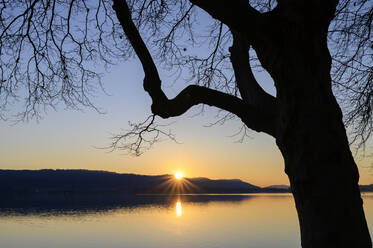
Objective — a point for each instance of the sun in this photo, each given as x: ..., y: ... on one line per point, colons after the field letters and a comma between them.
x: 178, y: 175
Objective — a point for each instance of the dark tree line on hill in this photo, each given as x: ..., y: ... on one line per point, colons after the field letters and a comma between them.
x: 86, y: 181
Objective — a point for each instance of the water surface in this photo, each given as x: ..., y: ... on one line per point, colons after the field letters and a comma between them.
x: 257, y: 220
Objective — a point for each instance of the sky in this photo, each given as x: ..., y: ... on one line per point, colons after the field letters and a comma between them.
x: 67, y: 139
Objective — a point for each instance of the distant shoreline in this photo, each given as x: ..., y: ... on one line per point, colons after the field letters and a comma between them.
x: 72, y: 182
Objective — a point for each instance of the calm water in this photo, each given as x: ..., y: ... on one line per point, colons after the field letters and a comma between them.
x: 159, y: 221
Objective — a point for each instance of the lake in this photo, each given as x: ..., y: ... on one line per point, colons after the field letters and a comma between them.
x: 244, y: 220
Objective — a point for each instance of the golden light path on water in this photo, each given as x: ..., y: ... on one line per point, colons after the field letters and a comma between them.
x: 178, y: 209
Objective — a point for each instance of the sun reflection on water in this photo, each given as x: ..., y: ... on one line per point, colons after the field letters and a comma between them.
x: 178, y: 209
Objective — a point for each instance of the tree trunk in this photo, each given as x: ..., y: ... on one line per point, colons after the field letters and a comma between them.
x: 324, y: 183
x: 310, y: 132
x: 321, y: 169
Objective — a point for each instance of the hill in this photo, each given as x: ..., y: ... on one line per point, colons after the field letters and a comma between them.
x: 87, y: 181
x: 90, y: 181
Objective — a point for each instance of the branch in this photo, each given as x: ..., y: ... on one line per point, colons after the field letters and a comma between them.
x: 303, y: 11
x: 238, y: 14
x: 249, y: 88
x: 191, y: 95
x: 152, y: 81
x: 140, y: 137
x: 46, y: 54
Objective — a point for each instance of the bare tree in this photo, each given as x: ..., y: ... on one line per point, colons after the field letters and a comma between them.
x: 48, y: 50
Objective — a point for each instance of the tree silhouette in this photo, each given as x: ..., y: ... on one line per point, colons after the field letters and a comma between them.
x: 49, y: 48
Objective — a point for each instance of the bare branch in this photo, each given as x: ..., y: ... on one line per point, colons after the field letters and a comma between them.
x: 238, y: 15
x: 351, y: 41
x: 47, y: 49
x: 250, y: 89
x: 140, y: 137
x: 193, y: 94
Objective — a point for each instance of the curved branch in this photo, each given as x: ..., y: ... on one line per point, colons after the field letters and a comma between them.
x: 238, y: 14
x: 249, y: 88
x: 152, y: 81
x: 254, y: 118
x: 191, y: 95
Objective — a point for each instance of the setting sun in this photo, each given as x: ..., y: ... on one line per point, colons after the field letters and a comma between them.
x: 178, y: 175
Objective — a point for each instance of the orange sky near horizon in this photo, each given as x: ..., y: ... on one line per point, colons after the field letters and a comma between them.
x: 214, y: 155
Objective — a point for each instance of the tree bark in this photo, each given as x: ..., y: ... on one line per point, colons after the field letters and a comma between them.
x: 312, y: 138
x: 323, y: 176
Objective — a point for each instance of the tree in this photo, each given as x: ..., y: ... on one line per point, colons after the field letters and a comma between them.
x: 48, y: 47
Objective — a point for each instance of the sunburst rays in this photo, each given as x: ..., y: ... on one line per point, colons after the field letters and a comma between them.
x: 172, y: 185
